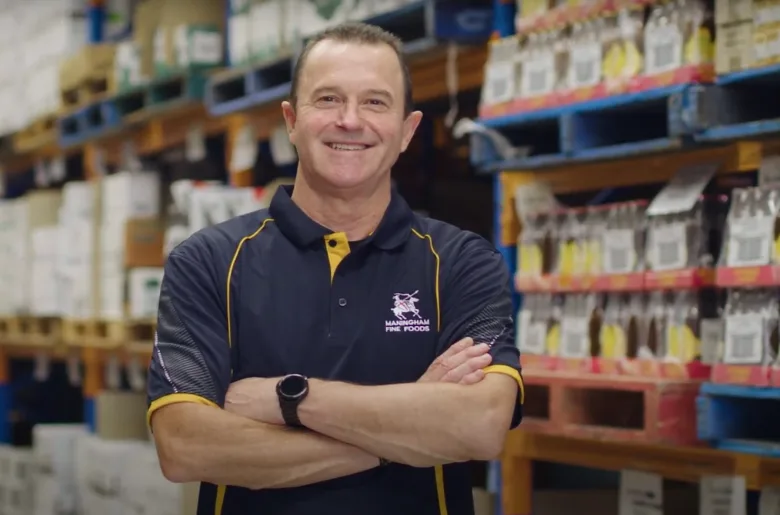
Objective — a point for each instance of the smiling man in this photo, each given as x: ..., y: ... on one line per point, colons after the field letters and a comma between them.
x: 335, y: 353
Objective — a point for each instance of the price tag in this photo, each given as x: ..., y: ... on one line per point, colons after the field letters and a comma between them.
x: 282, y: 151
x: 750, y: 241
x: 722, y: 495
x: 574, y: 338
x: 641, y: 493
x: 538, y: 75
x: 130, y: 160
x: 769, y: 503
x: 135, y: 375
x: 744, y: 339
x: 74, y: 370
x: 41, y: 175
x: 585, y: 65
x: 619, y: 251
x: 195, y: 145
x: 244, y: 151
x: 113, y: 373
x: 669, y: 247
x: 42, y: 367
x: 663, y: 46
x: 57, y: 169
x: 499, y: 84
x: 99, y: 162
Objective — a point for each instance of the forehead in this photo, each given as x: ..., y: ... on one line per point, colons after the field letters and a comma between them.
x: 343, y: 64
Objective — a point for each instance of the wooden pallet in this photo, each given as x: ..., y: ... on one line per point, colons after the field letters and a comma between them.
x: 91, y: 89
x: 108, y: 334
x: 611, y: 407
x: 41, y: 132
x: 31, y: 331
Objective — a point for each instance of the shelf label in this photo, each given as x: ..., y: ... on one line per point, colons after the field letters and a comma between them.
x: 769, y: 503
x: 619, y: 251
x: 744, y: 339
x: 750, y: 241
x: 722, y: 495
x: 574, y: 338
x: 669, y: 249
x: 641, y: 493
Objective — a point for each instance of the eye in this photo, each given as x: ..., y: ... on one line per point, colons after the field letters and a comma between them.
x: 328, y: 98
x: 376, y: 102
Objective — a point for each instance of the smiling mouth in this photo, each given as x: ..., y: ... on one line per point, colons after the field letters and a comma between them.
x: 348, y: 147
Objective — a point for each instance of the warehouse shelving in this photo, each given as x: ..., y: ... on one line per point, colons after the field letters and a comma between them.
x: 730, y: 123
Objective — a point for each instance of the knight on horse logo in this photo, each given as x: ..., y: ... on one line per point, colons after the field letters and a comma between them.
x: 407, y: 315
x: 405, y: 303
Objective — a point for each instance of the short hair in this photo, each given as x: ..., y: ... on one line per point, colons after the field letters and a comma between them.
x: 359, y: 33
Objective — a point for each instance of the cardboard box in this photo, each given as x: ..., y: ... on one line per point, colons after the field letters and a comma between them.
x: 732, y: 11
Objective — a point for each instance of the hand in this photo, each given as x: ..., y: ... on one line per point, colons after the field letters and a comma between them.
x: 462, y: 363
x: 255, y: 398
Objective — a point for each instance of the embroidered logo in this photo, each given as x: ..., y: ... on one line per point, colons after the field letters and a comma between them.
x: 407, y: 315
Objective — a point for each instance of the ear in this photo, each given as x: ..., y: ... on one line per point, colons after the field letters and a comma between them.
x: 288, y: 111
x: 410, y: 127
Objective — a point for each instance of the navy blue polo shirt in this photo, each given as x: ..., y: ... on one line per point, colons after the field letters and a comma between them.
x: 272, y: 293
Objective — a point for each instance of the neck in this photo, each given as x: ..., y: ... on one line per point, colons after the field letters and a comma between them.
x: 356, y: 213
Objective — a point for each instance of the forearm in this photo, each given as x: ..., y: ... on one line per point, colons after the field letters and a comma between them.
x: 214, y: 446
x: 419, y: 424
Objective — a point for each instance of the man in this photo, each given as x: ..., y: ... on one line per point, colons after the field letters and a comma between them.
x: 335, y: 353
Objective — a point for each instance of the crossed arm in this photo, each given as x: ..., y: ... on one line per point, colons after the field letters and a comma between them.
x: 455, y: 412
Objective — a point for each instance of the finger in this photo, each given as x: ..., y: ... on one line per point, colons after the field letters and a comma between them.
x: 457, y: 347
x: 474, y: 377
x: 442, y: 364
x: 472, y: 352
x: 476, y: 363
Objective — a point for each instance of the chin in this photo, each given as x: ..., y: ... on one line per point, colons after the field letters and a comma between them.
x: 346, y: 179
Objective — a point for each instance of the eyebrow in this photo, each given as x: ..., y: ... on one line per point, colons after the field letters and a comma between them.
x: 377, y: 92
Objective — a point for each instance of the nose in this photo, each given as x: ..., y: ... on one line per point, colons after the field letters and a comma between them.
x: 349, y: 117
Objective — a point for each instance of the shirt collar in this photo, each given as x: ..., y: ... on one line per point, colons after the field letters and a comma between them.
x: 394, y: 229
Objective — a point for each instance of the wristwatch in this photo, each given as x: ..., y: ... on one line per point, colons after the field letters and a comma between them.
x: 291, y: 390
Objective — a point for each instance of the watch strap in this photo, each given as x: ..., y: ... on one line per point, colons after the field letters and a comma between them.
x: 290, y: 413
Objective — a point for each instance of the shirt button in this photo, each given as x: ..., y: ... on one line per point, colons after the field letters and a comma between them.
x: 342, y: 302
x: 332, y: 243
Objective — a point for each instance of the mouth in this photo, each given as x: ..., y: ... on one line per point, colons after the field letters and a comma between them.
x: 348, y: 147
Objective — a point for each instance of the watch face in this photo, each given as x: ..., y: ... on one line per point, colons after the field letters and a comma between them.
x: 293, y: 386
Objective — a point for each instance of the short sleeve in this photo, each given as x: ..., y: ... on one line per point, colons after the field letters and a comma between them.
x: 477, y: 303
x: 191, y: 355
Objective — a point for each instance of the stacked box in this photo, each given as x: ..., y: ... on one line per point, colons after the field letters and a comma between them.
x: 735, y: 46
x: 131, y: 246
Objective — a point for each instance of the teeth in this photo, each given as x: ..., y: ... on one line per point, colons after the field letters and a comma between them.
x: 341, y: 146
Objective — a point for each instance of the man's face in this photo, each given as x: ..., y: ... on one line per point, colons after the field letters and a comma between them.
x: 348, y: 125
